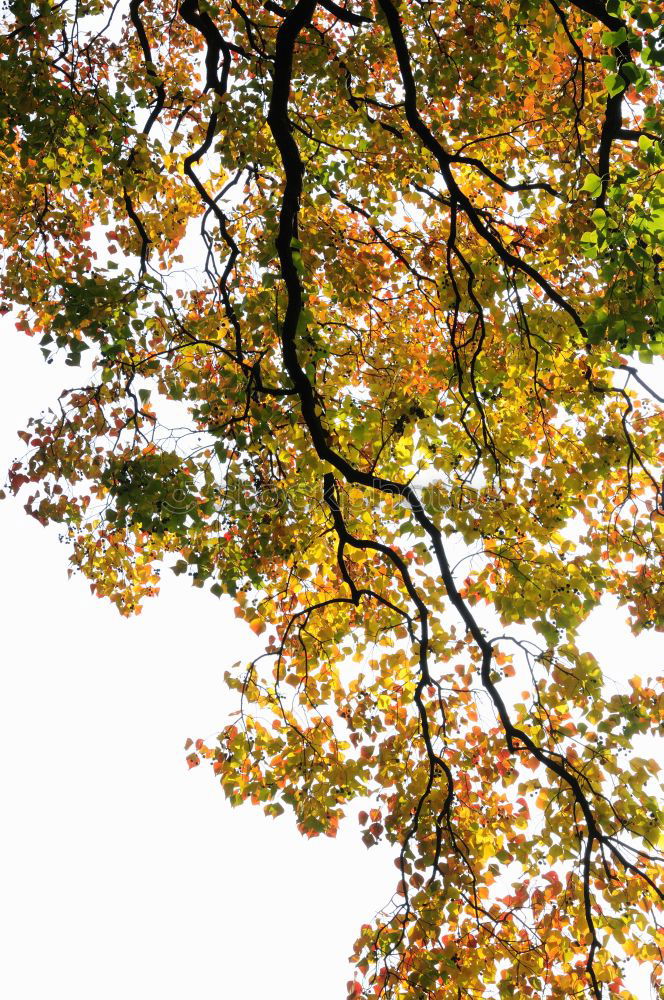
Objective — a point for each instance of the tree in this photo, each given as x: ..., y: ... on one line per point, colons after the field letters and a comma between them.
x: 368, y: 290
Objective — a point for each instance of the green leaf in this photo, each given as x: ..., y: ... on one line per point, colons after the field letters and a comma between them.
x: 615, y: 84
x: 593, y: 185
x: 614, y: 38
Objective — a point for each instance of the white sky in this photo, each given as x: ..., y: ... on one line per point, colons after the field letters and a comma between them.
x: 124, y: 874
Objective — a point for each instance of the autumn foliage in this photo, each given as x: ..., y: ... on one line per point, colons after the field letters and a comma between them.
x: 364, y: 296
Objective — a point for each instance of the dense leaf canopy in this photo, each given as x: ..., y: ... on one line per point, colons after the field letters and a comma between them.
x: 363, y: 296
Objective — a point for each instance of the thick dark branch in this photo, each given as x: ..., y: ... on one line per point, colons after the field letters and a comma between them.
x: 634, y: 134
x: 344, y: 15
x: 140, y: 229
x: 286, y: 242
x: 160, y: 91
x: 217, y: 46
x: 158, y: 85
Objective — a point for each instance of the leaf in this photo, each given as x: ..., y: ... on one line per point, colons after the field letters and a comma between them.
x: 615, y: 84
x: 593, y: 185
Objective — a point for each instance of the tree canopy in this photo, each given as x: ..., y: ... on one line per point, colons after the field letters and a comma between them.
x: 363, y: 296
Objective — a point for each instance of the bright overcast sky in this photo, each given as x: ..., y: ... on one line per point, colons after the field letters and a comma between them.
x: 124, y: 874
